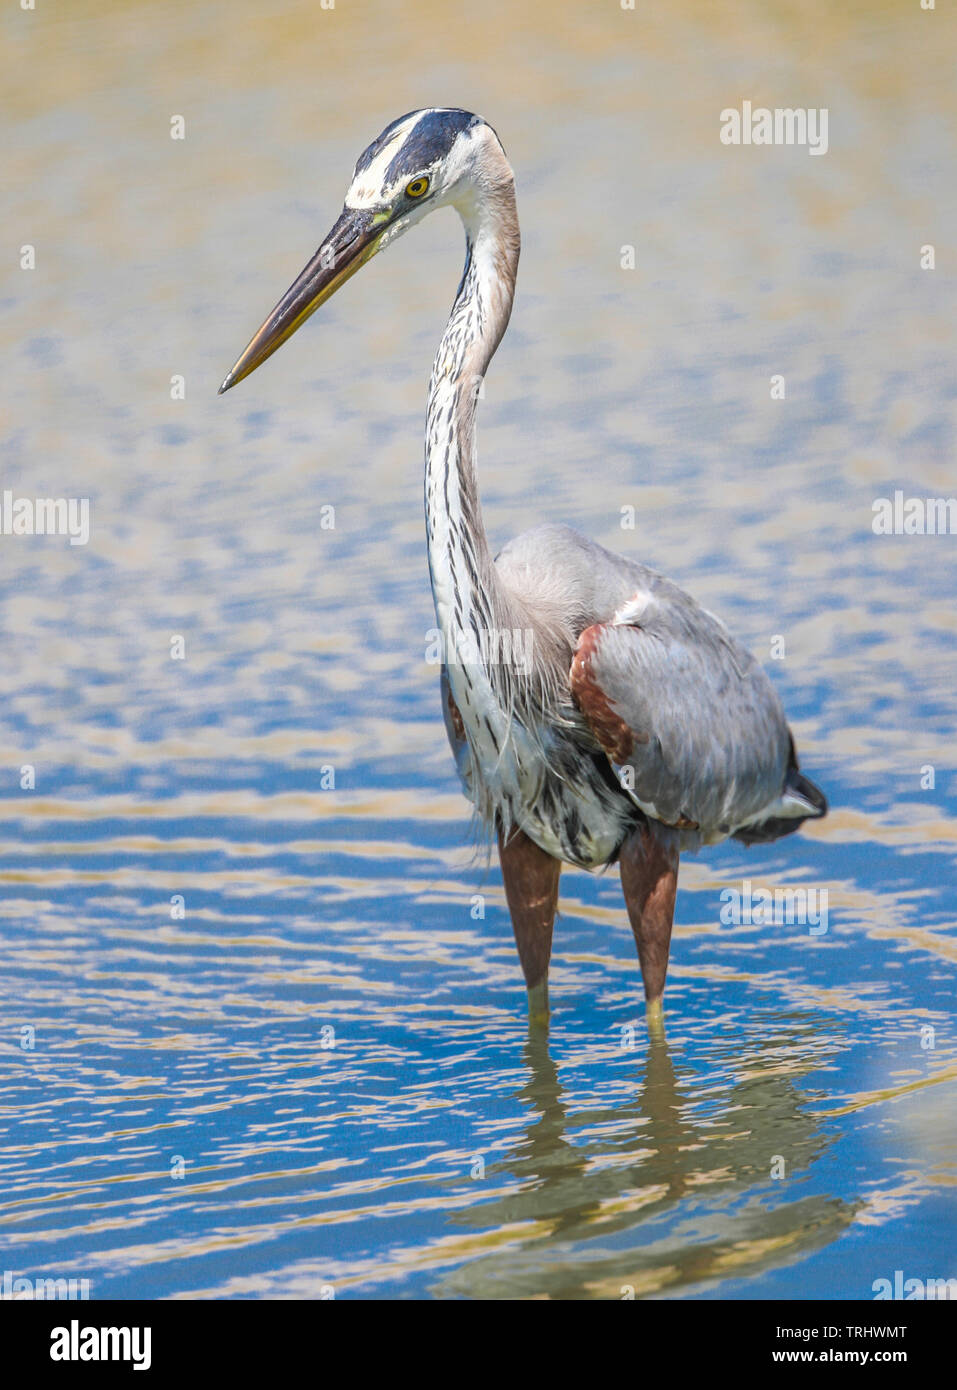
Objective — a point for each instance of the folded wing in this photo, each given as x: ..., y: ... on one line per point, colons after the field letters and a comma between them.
x: 691, y: 722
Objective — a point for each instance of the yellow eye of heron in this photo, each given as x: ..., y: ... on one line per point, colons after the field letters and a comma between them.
x: 417, y: 187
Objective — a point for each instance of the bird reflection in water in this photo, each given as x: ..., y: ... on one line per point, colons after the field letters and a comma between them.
x: 669, y: 1190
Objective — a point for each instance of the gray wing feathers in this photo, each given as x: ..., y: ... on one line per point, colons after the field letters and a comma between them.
x: 711, y: 743
x: 710, y: 740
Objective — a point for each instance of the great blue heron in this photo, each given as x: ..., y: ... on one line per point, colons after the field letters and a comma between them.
x: 595, y: 711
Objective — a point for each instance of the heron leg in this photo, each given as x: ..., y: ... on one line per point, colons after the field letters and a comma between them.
x: 531, y: 890
x: 649, y: 879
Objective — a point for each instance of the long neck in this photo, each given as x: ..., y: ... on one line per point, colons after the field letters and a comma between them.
x: 468, y: 596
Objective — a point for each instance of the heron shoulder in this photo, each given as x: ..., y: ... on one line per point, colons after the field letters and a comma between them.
x: 556, y: 570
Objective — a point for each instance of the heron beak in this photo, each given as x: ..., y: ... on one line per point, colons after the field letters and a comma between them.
x: 353, y: 241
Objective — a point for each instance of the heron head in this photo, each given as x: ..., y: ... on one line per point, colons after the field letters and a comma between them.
x: 424, y: 160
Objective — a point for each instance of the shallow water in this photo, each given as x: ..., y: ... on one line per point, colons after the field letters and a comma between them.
x: 330, y: 1045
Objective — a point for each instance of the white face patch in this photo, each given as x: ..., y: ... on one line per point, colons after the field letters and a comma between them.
x: 368, y: 187
x: 371, y: 186
x: 451, y: 176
